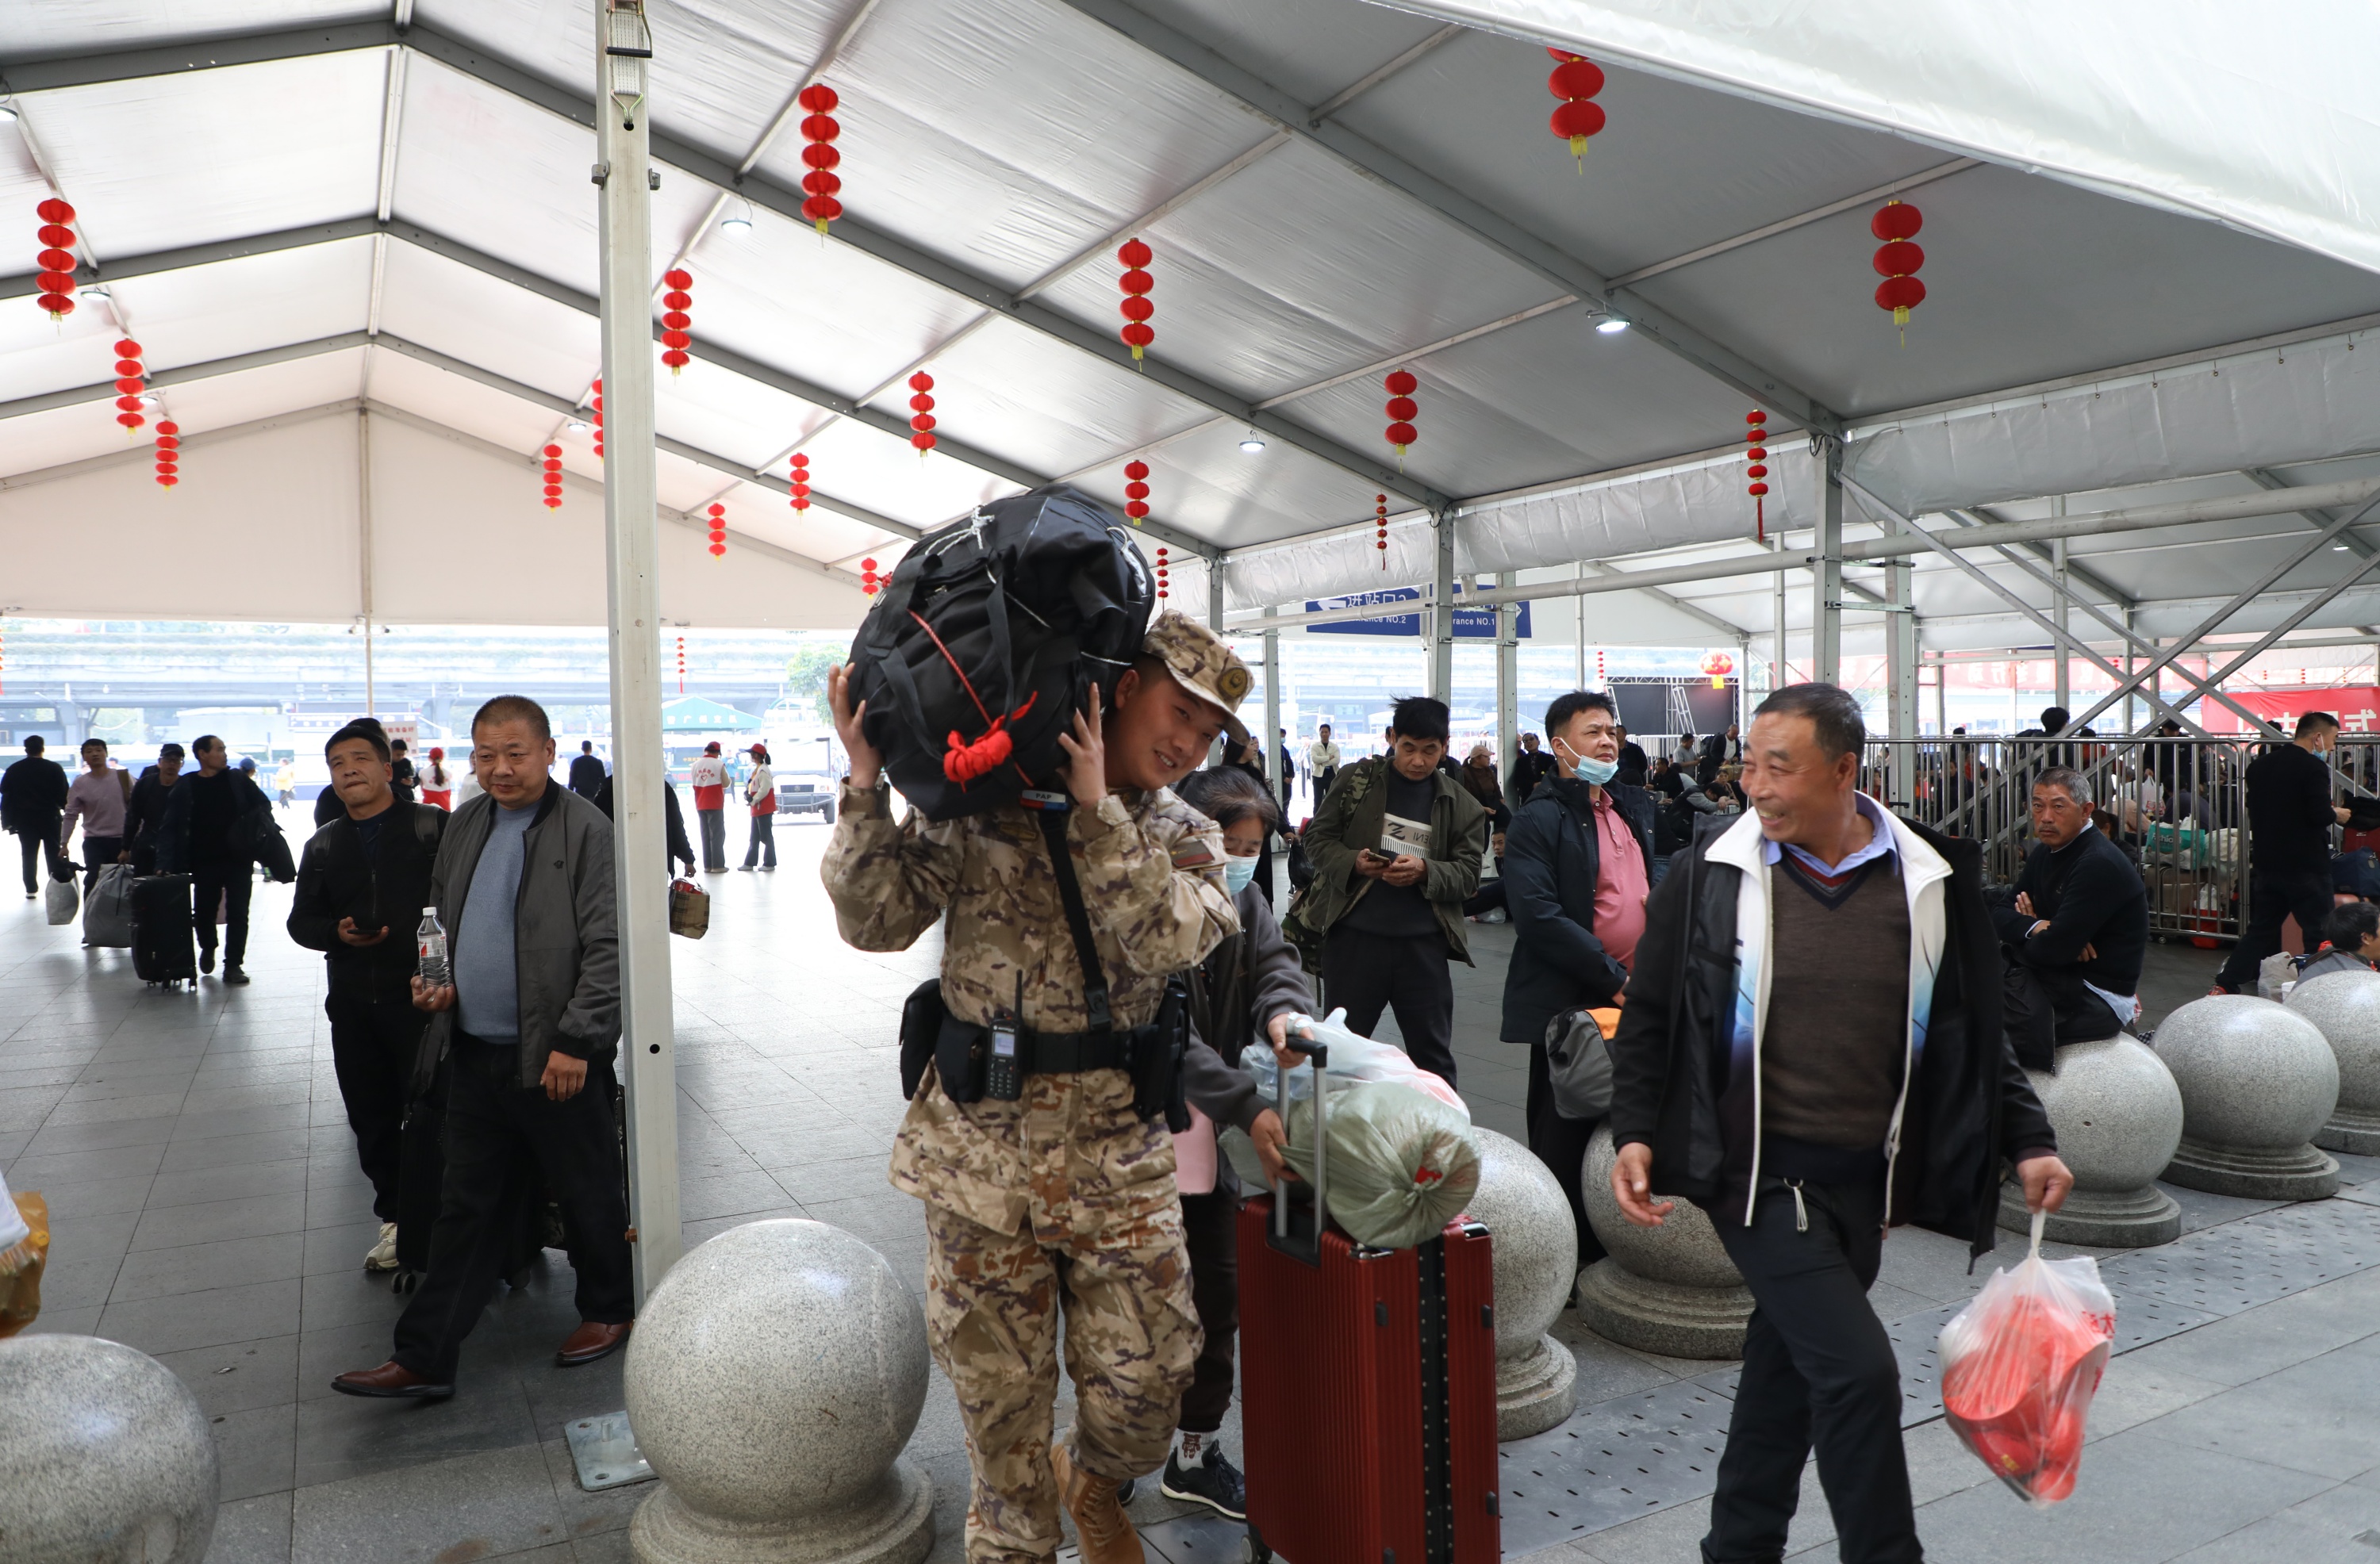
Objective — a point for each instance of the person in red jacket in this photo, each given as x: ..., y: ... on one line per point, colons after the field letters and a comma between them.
x: 710, y: 777
x: 760, y: 791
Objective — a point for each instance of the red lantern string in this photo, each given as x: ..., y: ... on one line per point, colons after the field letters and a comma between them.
x: 820, y: 185
x: 598, y: 413
x: 801, y: 481
x: 56, y: 262
x: 1757, y: 435
x: 675, y: 338
x: 1403, y: 409
x: 921, y: 416
x: 1137, y: 283
x: 169, y: 454
x: 131, y: 379
x: 1575, y: 81
x: 1380, y: 528
x: 870, y: 582
x: 1136, y: 491
x: 717, y: 530
x: 681, y: 665
x: 1160, y: 574
x: 1897, y: 261
x: 554, y: 478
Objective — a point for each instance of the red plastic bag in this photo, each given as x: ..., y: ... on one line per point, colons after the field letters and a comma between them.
x: 2020, y: 1365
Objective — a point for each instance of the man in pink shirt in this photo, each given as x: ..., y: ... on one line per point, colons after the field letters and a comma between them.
x: 97, y: 799
x: 1578, y: 864
x: 708, y: 775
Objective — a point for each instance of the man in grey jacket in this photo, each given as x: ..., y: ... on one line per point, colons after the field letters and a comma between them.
x: 531, y: 1021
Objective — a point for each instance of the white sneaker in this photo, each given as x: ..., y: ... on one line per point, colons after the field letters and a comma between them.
x: 383, y: 1254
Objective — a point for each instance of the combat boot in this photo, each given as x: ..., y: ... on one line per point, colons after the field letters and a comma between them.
x: 1101, y: 1526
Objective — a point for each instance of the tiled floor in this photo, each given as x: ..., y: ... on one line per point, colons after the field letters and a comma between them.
x: 208, y: 1210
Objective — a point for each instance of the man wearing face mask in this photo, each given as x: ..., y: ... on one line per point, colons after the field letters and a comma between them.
x: 1578, y: 864
x: 2290, y: 811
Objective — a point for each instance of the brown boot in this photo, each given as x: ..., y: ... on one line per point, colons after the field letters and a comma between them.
x: 1100, y: 1525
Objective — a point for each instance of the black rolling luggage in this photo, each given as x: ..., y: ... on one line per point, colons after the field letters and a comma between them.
x: 164, y: 948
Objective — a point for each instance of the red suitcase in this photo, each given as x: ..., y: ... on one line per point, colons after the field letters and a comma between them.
x: 1368, y: 1392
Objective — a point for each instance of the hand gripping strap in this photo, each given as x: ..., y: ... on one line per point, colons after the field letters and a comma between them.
x: 1078, y: 921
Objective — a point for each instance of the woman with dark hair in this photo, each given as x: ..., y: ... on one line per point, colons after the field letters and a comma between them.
x: 1244, y: 992
x: 1248, y: 761
x: 760, y: 791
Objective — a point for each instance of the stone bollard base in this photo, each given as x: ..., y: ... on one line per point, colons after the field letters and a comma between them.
x: 1662, y: 1317
x: 896, y: 1525
x: 1536, y: 1391
x: 2351, y: 1131
x: 2132, y: 1218
x: 2254, y: 1173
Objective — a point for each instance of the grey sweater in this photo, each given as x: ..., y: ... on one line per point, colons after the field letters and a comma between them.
x: 1245, y: 982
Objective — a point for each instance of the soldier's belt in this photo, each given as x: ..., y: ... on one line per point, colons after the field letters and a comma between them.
x: 1055, y: 1053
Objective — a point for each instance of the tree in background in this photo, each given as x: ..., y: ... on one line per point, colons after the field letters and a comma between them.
x: 806, y: 675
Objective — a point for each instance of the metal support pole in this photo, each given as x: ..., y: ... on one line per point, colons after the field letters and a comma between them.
x: 631, y: 532
x: 2061, y: 600
x: 1900, y: 670
x: 1778, y: 676
x: 1827, y: 572
x: 1581, y: 606
x: 1941, y: 696
x: 1441, y: 620
x: 364, y: 551
x: 1215, y: 623
x: 1508, y: 679
x: 1271, y: 735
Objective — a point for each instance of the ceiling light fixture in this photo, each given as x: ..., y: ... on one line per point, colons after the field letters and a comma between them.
x: 1611, y: 325
x: 92, y: 290
x: 577, y: 426
x: 736, y: 225
x: 1251, y: 445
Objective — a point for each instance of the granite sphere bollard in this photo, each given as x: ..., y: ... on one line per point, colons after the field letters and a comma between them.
x: 1669, y: 1289
x: 773, y: 1378
x: 103, y: 1455
x: 2345, y: 1008
x: 2257, y: 1082
x: 2118, y: 1114
x: 1534, y: 1244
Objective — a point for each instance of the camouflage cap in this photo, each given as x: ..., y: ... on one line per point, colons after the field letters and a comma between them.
x: 1201, y: 663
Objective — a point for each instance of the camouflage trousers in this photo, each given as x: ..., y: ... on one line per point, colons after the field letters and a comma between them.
x: 1131, y: 1336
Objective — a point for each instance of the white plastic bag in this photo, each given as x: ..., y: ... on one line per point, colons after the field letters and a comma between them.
x: 1352, y: 1058
x: 2020, y: 1365
x: 1402, y: 1163
x: 62, y: 901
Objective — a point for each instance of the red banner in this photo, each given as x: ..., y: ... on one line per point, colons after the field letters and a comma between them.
x: 2357, y: 708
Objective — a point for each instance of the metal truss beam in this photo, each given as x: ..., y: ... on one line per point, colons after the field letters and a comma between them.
x: 1484, y: 224
x: 2273, y: 482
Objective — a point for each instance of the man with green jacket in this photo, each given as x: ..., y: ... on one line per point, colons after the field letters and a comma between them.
x: 1395, y: 849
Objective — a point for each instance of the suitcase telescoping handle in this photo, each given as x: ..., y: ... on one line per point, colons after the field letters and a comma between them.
x: 1318, y: 1056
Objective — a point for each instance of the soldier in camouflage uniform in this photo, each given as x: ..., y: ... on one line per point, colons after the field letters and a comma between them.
x: 1066, y: 1198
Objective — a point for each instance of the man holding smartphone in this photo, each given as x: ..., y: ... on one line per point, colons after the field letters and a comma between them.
x: 1395, y: 850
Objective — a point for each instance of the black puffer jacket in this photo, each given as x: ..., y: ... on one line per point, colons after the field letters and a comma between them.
x: 1552, y: 864
x: 386, y: 890
x: 1968, y: 1108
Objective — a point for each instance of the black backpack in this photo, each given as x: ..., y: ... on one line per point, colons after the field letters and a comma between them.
x: 984, y: 644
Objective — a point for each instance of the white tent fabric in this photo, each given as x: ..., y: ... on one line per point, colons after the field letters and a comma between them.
x: 2260, y: 119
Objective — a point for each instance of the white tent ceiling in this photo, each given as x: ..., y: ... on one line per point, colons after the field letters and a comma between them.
x: 303, y: 206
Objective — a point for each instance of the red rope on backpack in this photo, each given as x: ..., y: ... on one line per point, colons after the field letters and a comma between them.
x: 965, y: 761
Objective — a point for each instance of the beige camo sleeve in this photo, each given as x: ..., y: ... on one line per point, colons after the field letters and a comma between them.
x: 889, y: 883
x: 1166, y: 919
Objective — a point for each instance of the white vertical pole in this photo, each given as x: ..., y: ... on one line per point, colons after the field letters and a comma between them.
x: 1441, y: 615
x: 364, y: 551
x: 1901, y: 672
x: 1826, y: 576
x: 2062, y: 613
x: 1777, y: 678
x: 631, y: 531
x: 1508, y: 679
x: 1215, y: 623
x: 1271, y: 735
x: 1579, y: 603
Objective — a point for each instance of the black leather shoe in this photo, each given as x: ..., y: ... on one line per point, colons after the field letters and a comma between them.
x: 206, y: 958
x: 236, y: 978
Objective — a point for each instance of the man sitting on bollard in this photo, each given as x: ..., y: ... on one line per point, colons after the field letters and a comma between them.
x: 1051, y: 1185
x: 2076, y: 931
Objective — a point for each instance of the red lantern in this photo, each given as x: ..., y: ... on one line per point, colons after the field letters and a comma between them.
x: 822, y: 184
x: 870, y: 582
x: 717, y: 530
x: 1897, y: 261
x: 1160, y: 574
x: 130, y: 378
x: 675, y: 339
x: 597, y: 412
x: 1136, y: 491
x: 1380, y: 528
x: 922, y: 414
x: 681, y: 665
x: 1401, y: 409
x: 801, y: 481
x: 1137, y: 283
x: 553, y: 477
x: 54, y: 280
x: 1757, y: 437
x: 1717, y: 665
x: 1575, y: 81
x: 169, y: 454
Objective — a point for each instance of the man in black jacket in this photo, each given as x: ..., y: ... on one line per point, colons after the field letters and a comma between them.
x: 1578, y: 864
x: 1811, y: 1051
x: 207, y: 835
x: 1530, y: 767
x: 2076, y: 931
x: 145, y: 814
x: 33, y: 806
x: 586, y: 771
x: 2290, y: 817
x: 361, y: 885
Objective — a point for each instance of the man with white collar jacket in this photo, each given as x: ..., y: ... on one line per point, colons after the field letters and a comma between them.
x: 1812, y: 1051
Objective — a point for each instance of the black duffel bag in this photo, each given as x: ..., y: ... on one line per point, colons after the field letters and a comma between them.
x: 985, y: 643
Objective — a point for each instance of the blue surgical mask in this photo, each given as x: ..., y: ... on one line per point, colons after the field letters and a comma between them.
x: 1596, y: 772
x: 1239, y: 874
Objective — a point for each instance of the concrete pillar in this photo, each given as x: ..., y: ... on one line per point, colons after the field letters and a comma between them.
x: 1669, y: 1289
x: 1535, y: 1252
x: 103, y: 1454
x: 2345, y: 1007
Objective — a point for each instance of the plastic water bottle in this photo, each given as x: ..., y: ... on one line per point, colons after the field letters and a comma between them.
x: 429, y: 945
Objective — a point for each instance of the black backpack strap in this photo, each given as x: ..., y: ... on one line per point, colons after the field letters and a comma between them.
x: 1078, y: 921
